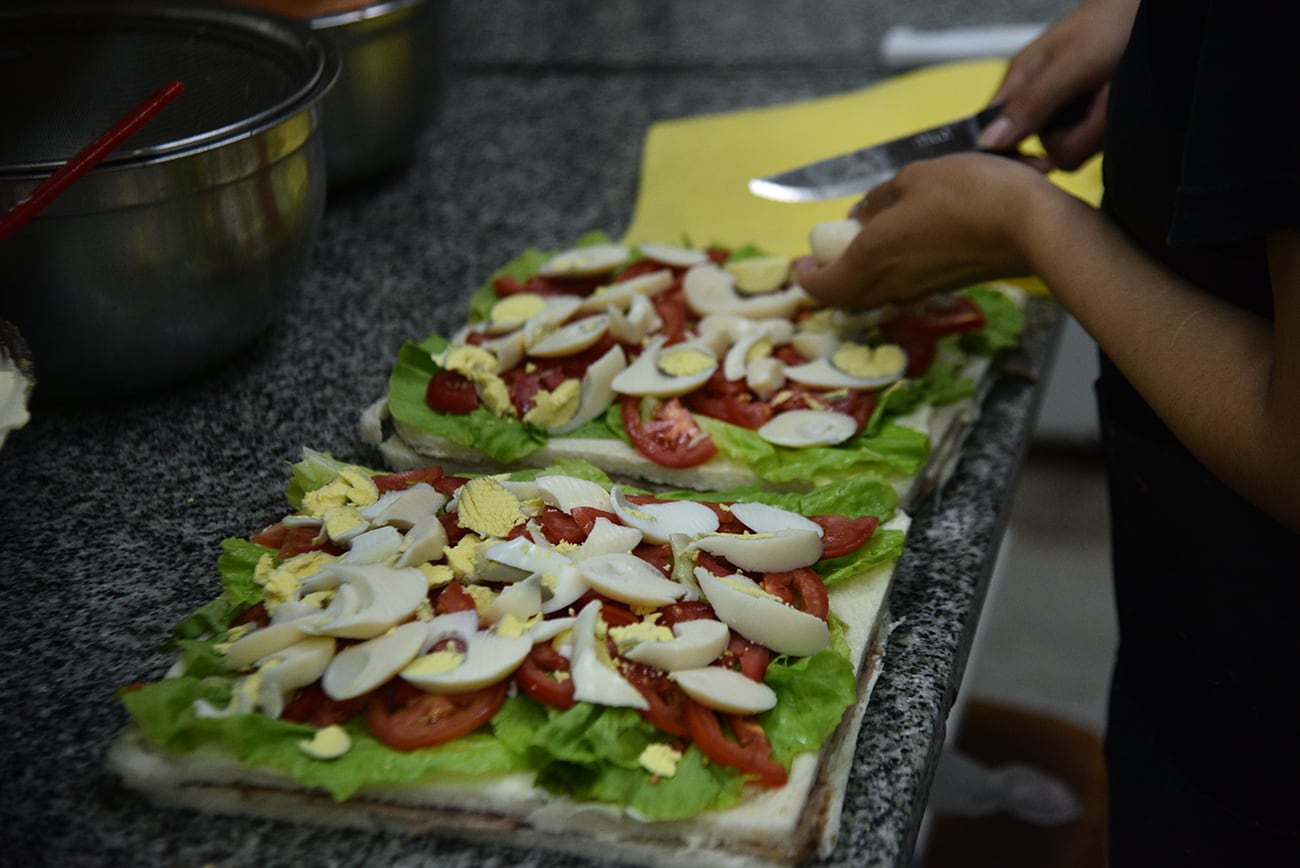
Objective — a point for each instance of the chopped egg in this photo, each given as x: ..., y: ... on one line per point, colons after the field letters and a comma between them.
x: 281, y: 583
x: 552, y: 409
x: 329, y: 742
x: 660, y: 759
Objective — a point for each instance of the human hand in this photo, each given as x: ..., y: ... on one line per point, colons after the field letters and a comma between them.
x: 938, y: 225
x: 1076, y: 55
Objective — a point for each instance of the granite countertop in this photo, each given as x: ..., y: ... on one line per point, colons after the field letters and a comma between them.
x: 112, y: 515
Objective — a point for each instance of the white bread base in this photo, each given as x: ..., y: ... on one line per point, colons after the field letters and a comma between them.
x: 770, y: 827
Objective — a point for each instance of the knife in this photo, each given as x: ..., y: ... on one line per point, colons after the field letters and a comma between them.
x: 859, y: 171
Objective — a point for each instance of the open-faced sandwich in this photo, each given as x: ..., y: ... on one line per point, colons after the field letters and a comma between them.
x: 693, y: 368
x: 542, y: 658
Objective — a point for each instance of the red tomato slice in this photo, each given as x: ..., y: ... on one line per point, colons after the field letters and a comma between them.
x: 748, y: 657
x: 671, y: 437
x: 271, y: 536
x: 536, y: 677
x: 843, y: 534
x: 672, y: 309
x: 298, y: 540
x: 406, y: 478
x: 749, y: 751
x: 406, y: 721
x: 454, y: 598
x: 667, y: 701
x: 312, y: 705
x: 558, y: 526
x: 586, y: 517
x: 451, y: 392
x: 917, y: 332
x: 802, y: 588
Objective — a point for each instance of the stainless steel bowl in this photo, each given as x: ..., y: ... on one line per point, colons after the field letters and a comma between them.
x: 391, y: 84
x: 180, y: 247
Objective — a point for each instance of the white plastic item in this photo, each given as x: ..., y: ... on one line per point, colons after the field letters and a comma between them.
x: 904, y: 46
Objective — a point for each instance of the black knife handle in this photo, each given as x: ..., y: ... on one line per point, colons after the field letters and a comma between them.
x: 1070, y: 114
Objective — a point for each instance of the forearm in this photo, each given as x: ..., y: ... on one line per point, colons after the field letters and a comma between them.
x: 1226, y: 382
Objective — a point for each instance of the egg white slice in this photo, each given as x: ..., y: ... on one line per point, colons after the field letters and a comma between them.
x: 799, y: 428
x: 659, y: 521
x: 607, y: 538
x: 568, y: 492
x: 829, y: 240
x: 370, y: 599
x: 593, y: 680
x: 710, y: 289
x: 570, y: 338
x: 374, y: 546
x: 254, y: 646
x: 694, y: 644
x: 521, y: 600
x: 425, y: 542
x: 629, y: 579
x: 725, y: 690
x: 671, y: 254
x: 585, y: 261
x: 404, y: 508
x: 620, y: 295
x: 361, y: 668
x: 633, y: 326
x: 293, y: 667
x: 762, y: 618
x: 765, y: 518
x: 823, y: 372
x: 771, y: 551
x: 645, y: 376
x: 597, y: 389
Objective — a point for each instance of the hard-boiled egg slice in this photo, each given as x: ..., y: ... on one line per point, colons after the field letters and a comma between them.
x: 709, y: 289
x: 620, y: 295
x: 570, y: 338
x: 800, y: 428
x: 585, y: 261
x: 761, y: 617
x: 852, y: 366
x: 774, y: 551
x: 766, y: 376
x: 508, y: 350
x: 671, y: 254
x: 594, y: 677
x: 748, y: 348
x: 569, y: 492
x: 633, y: 326
x: 666, y: 372
x: 374, y: 546
x: 814, y: 344
x: 370, y: 599
x: 725, y: 690
x: 361, y: 668
x: 251, y: 647
x: 607, y: 538
x: 404, y: 508
x: 597, y: 389
x: 513, y: 311
x: 559, y: 309
x: 629, y: 579
x: 527, y: 556
x: 488, y: 658
x: 522, y: 600
x: 425, y: 542
x: 765, y: 518
x: 293, y: 667
x: 830, y: 239
x: 759, y: 274
x: 696, y: 643
x: 659, y: 521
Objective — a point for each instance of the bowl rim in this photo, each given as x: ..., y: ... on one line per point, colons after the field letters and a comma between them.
x: 320, y: 54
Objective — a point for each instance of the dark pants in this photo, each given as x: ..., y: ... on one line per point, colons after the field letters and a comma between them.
x: 1202, y: 735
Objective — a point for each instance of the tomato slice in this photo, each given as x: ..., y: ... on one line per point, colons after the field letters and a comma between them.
x: 404, y: 479
x: 536, y: 676
x: 271, y: 536
x: 667, y: 701
x: 918, y: 331
x: 300, y: 540
x: 453, y: 598
x: 558, y: 526
x: 586, y: 516
x: 406, y: 718
x: 671, y: 437
x: 748, y: 657
x: 843, y: 534
x: 312, y: 705
x: 749, y: 750
x: 451, y: 392
x: 802, y: 588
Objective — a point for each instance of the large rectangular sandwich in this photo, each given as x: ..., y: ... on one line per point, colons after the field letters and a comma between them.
x: 545, y: 658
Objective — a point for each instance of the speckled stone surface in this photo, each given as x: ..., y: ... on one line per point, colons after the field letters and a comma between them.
x: 112, y: 515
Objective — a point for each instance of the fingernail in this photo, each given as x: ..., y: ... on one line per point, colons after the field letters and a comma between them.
x: 999, y: 135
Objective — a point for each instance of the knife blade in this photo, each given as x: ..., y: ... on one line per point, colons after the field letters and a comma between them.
x: 859, y: 171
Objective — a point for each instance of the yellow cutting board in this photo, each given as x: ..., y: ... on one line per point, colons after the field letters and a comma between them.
x: 695, y: 171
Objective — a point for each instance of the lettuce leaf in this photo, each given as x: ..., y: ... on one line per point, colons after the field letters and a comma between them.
x: 812, y: 695
x: 1004, y: 321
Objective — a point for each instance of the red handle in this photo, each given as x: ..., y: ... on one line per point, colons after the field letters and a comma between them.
x: 86, y: 159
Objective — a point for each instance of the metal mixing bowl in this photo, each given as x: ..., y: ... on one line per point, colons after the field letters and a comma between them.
x: 391, y: 83
x: 180, y: 247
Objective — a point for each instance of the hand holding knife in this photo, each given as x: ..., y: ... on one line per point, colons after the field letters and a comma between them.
x: 856, y: 172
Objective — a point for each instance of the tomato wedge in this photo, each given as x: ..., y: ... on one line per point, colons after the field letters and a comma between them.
x: 671, y: 437
x: 406, y: 718
x: 842, y: 534
x: 451, y: 392
x: 748, y: 749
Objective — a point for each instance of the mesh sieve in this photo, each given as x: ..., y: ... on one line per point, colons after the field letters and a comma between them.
x: 69, y: 71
